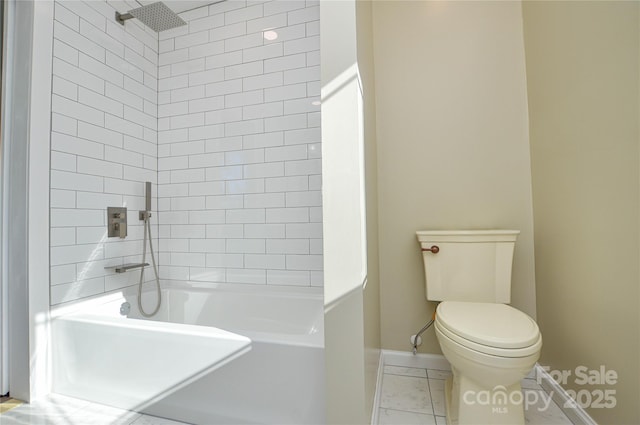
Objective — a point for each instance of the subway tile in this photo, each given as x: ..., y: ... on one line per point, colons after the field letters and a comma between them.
x: 173, y: 109
x: 77, y: 146
x: 207, y: 246
x: 62, y: 198
x: 304, y: 199
x: 206, y: 131
x: 65, y: 52
x: 138, y: 174
x: 76, y: 110
x: 99, y: 69
x: 187, y: 121
x: 264, y: 110
x: 264, y: 261
x: 188, y: 67
x: 246, y: 276
x: 225, y: 231
x: 205, y: 77
x: 83, y: 44
x: 260, y: 53
x: 303, y: 167
x: 228, y: 31
x: 188, y: 231
x: 141, y: 90
x: 272, y: 169
x: 187, y: 176
x: 174, y: 82
x: 286, y: 92
x: 207, y: 217
x: 313, y: 119
x: 291, y: 32
x: 225, y: 260
x: 223, y: 59
x: 174, y: 272
x: 315, y: 214
x: 174, y: 217
x: 63, y: 124
x: 100, y: 102
x: 124, y: 66
x: 76, y: 290
x: 262, y: 81
x: 244, y: 70
x: 245, y: 98
x: 188, y: 259
x: 207, y: 274
x: 77, y: 217
x: 123, y: 96
x: 268, y: 22
x: 260, y: 140
x: 243, y: 42
x: 224, y: 202
x: 138, y: 145
x: 206, y: 160
x: 304, y: 230
x: 285, y: 62
x: 61, y: 236
x: 244, y: 157
x: 315, y: 182
x: 187, y: 204
x: 313, y: 28
x: 173, y: 56
x: 187, y: 148
x: 124, y: 187
x: 166, y: 45
x: 192, y: 39
x: 99, y: 168
x: 224, y: 87
x: 286, y: 184
x: 287, y: 215
x: 245, y: 246
x: 309, y: 104
x: 274, y: 7
x: 245, y: 216
x: 302, y: 45
x: 264, y: 231
x: 141, y: 118
x: 222, y: 116
x: 206, y: 51
x: 206, y: 104
x: 206, y: 23
x: 244, y: 14
x: 286, y: 122
x: 310, y: 73
x: 75, y: 254
x: 307, y: 14
x: 244, y: 127
x: 315, y: 246
x: 287, y: 246
x: 234, y: 187
x: 173, y: 245
x: 206, y: 189
x: 99, y: 201
x: 285, y: 153
x: 223, y: 144
x: 224, y: 173
x: 194, y: 14
x: 264, y: 200
x: 67, y: 17
x: 122, y: 156
x: 304, y: 262
x: 308, y: 135
x: 288, y: 277
x: 63, y: 274
x: 173, y: 136
x: 170, y: 190
x: 65, y: 88
x: 313, y: 58
x: 317, y: 278
x: 63, y: 161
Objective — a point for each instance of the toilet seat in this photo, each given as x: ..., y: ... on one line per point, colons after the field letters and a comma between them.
x: 494, y: 329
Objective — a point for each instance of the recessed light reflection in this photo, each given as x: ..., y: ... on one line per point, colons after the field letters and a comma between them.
x: 270, y: 35
x: 316, y: 103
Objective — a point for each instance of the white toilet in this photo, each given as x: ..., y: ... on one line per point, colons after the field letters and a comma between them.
x: 490, y: 345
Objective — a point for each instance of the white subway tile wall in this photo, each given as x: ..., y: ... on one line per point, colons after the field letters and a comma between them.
x: 239, y: 144
x: 103, y: 145
x: 221, y: 115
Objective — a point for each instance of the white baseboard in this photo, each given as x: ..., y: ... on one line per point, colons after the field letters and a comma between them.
x: 576, y: 413
x: 376, y: 397
x: 408, y: 359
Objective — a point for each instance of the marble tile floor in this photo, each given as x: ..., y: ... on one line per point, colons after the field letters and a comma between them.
x: 60, y: 410
x: 412, y: 396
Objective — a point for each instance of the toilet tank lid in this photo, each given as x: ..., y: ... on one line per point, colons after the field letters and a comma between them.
x: 494, y: 235
x: 494, y: 325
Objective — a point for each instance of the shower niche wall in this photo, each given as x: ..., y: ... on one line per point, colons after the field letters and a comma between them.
x: 221, y: 115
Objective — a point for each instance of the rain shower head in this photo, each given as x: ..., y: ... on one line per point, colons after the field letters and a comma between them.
x: 156, y: 16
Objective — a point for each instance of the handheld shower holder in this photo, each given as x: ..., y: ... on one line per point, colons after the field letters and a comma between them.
x: 144, y: 215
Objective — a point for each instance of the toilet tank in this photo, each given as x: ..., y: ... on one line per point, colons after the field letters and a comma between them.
x: 469, y: 265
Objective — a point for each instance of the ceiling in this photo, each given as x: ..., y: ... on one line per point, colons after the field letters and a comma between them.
x: 179, y: 6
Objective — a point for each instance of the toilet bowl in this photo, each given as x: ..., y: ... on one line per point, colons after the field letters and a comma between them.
x: 491, y: 347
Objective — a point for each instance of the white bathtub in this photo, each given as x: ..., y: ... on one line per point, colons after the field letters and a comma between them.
x: 279, y: 381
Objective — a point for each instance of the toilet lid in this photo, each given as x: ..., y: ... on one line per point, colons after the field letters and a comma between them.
x: 493, y: 325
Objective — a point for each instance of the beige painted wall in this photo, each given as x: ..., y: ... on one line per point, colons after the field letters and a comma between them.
x: 371, y: 301
x: 582, y: 72
x: 453, y: 148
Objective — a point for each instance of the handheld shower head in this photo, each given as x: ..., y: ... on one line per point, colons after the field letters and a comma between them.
x: 156, y: 16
